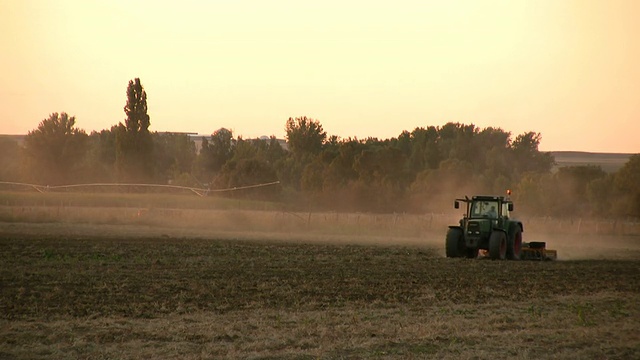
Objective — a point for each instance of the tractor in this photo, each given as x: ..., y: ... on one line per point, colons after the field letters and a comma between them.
x: 487, y: 226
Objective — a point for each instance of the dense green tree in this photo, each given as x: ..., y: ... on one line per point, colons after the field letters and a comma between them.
x: 10, y: 160
x: 494, y: 155
x: 382, y: 163
x: 313, y: 177
x: 340, y: 170
x: 247, y: 172
x: 627, y: 181
x: 247, y: 149
x: 571, y: 183
x: 601, y: 195
x: 55, y: 149
x: 527, y: 157
x: 174, y: 157
x: 105, y: 145
x: 433, y: 189
x: 268, y: 150
x: 305, y: 136
x: 576, y: 178
x: 225, y: 160
x: 215, y: 154
x: 290, y: 172
x: 536, y: 194
x: 274, y: 153
x: 425, y: 153
x: 100, y: 160
x: 134, y: 143
x: 628, y: 177
x: 222, y: 147
x: 305, y: 139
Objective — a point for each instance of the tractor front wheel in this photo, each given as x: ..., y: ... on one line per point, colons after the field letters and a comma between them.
x: 455, y: 246
x: 498, y: 245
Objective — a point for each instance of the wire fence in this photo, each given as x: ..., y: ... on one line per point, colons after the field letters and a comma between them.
x: 400, y: 223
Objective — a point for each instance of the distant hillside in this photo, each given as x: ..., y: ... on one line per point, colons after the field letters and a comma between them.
x: 609, y: 162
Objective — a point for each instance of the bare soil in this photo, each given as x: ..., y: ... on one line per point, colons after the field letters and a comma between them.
x: 134, y: 291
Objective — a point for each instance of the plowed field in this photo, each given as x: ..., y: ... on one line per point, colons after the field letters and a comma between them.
x: 98, y: 295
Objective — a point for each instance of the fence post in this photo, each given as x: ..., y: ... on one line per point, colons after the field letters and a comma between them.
x: 579, y: 225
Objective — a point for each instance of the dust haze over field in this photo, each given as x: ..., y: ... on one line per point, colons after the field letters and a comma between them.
x: 574, y: 239
x: 131, y: 276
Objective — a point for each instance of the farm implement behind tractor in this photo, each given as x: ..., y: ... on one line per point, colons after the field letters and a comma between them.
x: 537, y: 250
x: 487, y: 227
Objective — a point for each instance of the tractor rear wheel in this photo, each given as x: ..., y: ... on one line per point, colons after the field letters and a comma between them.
x: 498, y: 245
x: 514, y: 246
x: 455, y: 246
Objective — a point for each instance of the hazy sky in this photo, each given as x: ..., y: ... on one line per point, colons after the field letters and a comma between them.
x: 567, y: 69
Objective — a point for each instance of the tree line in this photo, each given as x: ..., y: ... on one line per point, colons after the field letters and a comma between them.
x: 417, y: 171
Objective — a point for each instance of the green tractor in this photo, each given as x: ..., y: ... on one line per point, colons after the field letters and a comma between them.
x: 486, y: 226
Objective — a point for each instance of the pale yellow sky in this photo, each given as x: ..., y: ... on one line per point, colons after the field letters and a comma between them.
x: 567, y: 69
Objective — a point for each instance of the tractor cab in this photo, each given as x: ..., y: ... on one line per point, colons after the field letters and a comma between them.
x: 487, y: 207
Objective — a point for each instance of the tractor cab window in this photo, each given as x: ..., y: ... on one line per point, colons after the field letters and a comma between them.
x: 484, y: 209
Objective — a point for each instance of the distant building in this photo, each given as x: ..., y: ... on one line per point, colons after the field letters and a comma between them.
x: 17, y: 138
x: 177, y: 133
x: 197, y: 139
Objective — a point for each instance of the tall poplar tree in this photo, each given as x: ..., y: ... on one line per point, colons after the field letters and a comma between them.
x: 134, y: 154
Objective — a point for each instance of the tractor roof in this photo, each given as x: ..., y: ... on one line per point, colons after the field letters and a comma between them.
x: 486, y: 198
x: 489, y: 198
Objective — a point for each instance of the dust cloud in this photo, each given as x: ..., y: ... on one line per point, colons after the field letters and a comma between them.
x: 194, y: 218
